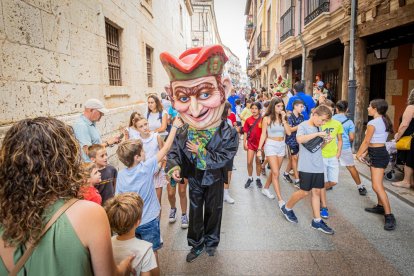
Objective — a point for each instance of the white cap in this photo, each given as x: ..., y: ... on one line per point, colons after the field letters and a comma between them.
x: 96, y: 104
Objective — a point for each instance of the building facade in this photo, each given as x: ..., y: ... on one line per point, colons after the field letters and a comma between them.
x: 300, y: 39
x: 57, y: 54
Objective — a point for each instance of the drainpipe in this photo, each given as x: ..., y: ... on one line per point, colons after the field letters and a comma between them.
x: 352, y: 81
x: 302, y: 42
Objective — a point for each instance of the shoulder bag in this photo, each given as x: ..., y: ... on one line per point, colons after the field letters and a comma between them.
x: 252, y: 126
x: 23, y: 259
x: 314, y: 144
x: 404, y: 143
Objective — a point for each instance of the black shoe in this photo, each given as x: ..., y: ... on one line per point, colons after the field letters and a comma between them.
x: 194, y: 253
x: 210, y: 251
x: 390, y: 222
x: 249, y: 181
x: 287, y: 178
x: 259, y: 183
x: 377, y: 209
x: 362, y: 191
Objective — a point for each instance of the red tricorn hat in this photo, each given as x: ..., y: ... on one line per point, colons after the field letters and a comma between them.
x: 195, y: 63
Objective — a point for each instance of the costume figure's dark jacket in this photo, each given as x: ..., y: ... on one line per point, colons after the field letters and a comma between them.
x: 205, y: 186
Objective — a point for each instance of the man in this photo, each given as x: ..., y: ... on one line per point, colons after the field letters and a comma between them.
x: 85, y: 128
x: 232, y: 100
x: 206, y: 144
x: 165, y: 102
x: 309, y: 104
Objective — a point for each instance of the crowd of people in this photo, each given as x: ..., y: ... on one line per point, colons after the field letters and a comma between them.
x: 57, y: 163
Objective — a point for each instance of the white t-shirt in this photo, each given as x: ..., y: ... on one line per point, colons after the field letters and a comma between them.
x: 154, y: 121
x: 238, y: 112
x: 133, y: 133
x: 144, y: 260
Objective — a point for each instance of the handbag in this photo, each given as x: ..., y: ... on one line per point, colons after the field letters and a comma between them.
x: 20, y: 263
x: 314, y: 144
x: 404, y: 143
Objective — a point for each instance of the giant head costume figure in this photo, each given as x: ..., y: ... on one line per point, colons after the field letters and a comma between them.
x: 198, y: 90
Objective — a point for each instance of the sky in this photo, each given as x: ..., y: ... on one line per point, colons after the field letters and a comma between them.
x: 230, y: 22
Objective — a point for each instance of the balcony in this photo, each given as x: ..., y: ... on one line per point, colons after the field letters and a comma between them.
x: 287, y: 24
x: 248, y: 31
x: 263, y: 44
x: 314, y: 8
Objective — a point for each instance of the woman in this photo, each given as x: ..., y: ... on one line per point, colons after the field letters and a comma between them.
x: 376, y: 135
x: 157, y: 117
x: 132, y: 131
x: 274, y: 130
x: 407, y: 128
x: 231, y: 121
x: 40, y: 170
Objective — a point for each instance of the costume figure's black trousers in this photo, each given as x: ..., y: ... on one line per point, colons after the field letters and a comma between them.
x: 205, y: 229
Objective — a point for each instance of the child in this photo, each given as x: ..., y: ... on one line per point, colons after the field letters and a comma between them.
x: 294, y: 120
x: 138, y: 177
x: 376, y: 135
x: 246, y: 113
x: 238, y: 112
x: 331, y: 153
x: 124, y: 212
x: 97, y: 154
x: 226, y: 117
x: 347, y: 159
x: 152, y: 142
x: 93, y: 177
x: 253, y: 130
x: 310, y: 166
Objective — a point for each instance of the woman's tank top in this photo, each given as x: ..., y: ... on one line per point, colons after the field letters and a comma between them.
x: 275, y: 130
x: 59, y: 252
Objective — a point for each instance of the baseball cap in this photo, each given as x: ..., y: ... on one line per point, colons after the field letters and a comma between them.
x: 319, y: 83
x: 96, y: 104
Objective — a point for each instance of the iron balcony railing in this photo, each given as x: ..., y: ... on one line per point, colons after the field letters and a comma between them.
x: 287, y: 24
x: 263, y: 43
x: 314, y: 8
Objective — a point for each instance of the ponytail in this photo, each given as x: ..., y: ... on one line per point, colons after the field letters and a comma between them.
x: 388, y: 124
x: 381, y: 106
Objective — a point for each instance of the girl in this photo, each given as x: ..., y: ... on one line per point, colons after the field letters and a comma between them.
x: 157, y: 117
x: 274, y: 130
x: 376, y: 135
x: 93, y: 177
x: 253, y: 129
x: 246, y: 113
x: 131, y: 131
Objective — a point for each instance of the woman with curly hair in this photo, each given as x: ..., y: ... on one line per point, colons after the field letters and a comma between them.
x: 40, y: 170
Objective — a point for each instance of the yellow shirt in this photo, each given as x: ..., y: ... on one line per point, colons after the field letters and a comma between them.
x: 333, y: 127
x: 246, y: 113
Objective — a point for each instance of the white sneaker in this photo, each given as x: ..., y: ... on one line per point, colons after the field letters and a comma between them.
x: 266, y: 192
x: 228, y: 199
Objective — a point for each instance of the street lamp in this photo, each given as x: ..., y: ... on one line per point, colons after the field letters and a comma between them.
x: 381, y: 53
x: 195, y: 42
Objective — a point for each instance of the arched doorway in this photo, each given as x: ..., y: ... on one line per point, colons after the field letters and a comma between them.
x: 273, y: 76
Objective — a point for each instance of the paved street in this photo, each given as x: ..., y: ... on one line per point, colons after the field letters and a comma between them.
x: 257, y: 240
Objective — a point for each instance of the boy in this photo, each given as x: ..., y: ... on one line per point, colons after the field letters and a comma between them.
x: 294, y: 120
x: 124, y: 212
x: 310, y: 166
x: 331, y: 153
x: 238, y: 113
x: 97, y: 154
x: 138, y: 177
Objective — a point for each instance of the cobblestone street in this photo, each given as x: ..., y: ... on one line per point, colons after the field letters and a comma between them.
x: 257, y: 240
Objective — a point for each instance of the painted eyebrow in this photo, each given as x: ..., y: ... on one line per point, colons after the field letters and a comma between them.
x: 193, y: 90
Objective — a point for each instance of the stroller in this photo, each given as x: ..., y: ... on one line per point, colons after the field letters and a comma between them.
x: 394, y: 162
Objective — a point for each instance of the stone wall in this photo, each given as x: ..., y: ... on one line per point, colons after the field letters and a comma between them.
x: 53, y: 56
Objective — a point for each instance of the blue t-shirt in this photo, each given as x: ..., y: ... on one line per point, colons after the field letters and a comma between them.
x: 140, y: 180
x: 348, y: 126
x: 309, y: 103
x: 232, y: 100
x: 87, y: 134
x: 172, y: 112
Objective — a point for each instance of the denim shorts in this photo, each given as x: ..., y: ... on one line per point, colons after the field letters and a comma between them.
x: 150, y: 232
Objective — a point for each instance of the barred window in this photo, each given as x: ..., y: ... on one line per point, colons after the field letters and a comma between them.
x: 148, y: 53
x: 113, y: 52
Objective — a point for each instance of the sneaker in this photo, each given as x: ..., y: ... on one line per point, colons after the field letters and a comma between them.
x: 249, y: 181
x: 194, y: 253
x: 228, y: 199
x: 266, y: 192
x: 377, y: 209
x: 321, y: 226
x: 291, y: 172
x: 324, y: 212
x: 289, y: 215
x: 390, y: 222
x: 297, y: 184
x: 268, y: 166
x: 172, y: 218
x: 184, y: 221
x: 210, y: 251
x: 287, y: 178
x: 362, y: 191
x: 259, y: 183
